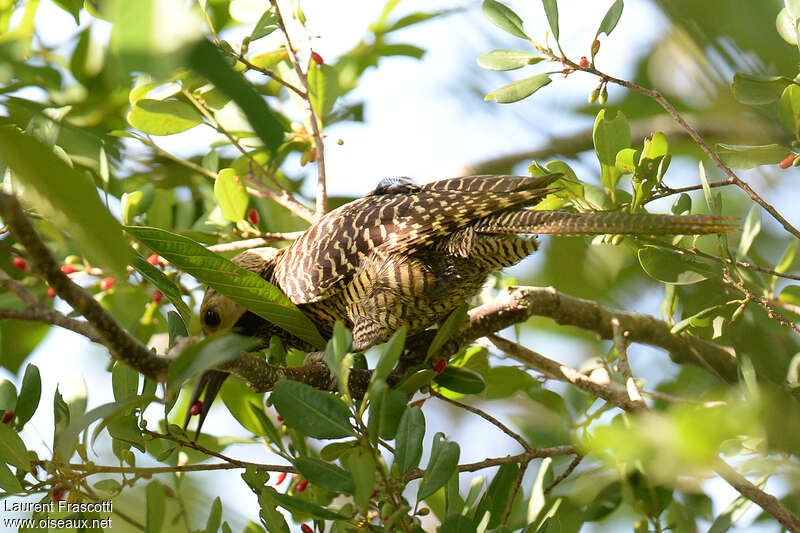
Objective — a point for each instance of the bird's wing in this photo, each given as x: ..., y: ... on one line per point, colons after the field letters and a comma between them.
x: 397, y: 220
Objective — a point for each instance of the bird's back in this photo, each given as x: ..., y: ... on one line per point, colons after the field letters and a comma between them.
x: 397, y: 217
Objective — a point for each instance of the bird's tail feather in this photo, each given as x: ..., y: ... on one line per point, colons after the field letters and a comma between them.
x: 568, y: 223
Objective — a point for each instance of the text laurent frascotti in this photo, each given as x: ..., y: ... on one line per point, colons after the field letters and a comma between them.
x: 61, y: 506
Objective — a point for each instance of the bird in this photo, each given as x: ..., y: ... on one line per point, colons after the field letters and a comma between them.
x: 408, y: 254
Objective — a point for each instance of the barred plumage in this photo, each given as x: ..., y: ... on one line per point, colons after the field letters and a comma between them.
x: 409, y: 254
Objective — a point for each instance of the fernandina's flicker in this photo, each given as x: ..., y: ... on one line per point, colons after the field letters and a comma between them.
x: 409, y: 254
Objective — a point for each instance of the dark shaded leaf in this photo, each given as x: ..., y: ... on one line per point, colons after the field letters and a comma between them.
x: 315, y: 413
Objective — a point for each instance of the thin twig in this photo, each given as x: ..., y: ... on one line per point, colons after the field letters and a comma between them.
x: 46, y: 315
x: 621, y: 341
x: 266, y: 72
x: 123, y: 347
x: 12, y: 285
x: 322, y: 194
x: 246, y: 244
x: 489, y: 418
x: 535, y: 453
x: 564, y: 475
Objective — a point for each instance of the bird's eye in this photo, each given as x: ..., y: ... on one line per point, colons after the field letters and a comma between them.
x: 211, y: 318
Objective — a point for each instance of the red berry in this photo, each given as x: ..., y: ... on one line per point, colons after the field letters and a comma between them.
x: 8, y: 416
x: 67, y: 269
x: 58, y: 493
x: 316, y: 58
x: 372, y: 494
x: 158, y: 296
x: 252, y: 216
x: 280, y: 418
x: 196, y: 408
x: 302, y: 485
x: 106, y: 283
x: 584, y: 62
x: 35, y: 471
x: 51, y: 292
x: 786, y: 163
x: 305, y: 528
x: 281, y: 478
x: 153, y: 259
x: 20, y: 263
x: 441, y: 364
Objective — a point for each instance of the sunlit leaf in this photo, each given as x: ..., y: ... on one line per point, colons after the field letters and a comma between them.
x: 671, y: 267
x: 163, y: 117
x: 504, y: 17
x: 744, y: 157
x: 231, y: 195
x: 516, y: 91
x: 611, y: 18
x: 507, y: 60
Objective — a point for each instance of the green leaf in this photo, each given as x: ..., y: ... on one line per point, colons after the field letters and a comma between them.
x: 750, y: 230
x: 391, y: 354
x: 241, y: 286
x: 504, y: 18
x: 744, y: 157
x: 56, y: 189
x: 386, y: 407
x: 610, y: 135
x: 457, y: 524
x: 789, y: 108
x: 460, y: 380
x: 303, y: 506
x: 606, y: 502
x: 315, y: 413
x: 207, y: 354
x: 8, y: 482
x: 265, y: 25
x: 29, y: 394
x: 136, y: 203
x: 671, y: 267
x: 537, y: 500
x: 246, y: 407
x: 442, y: 464
x: 408, y: 441
x: 165, y: 285
x: 323, y: 84
x: 8, y: 395
x: 496, y: 497
x: 451, y: 324
x: 758, y: 90
x: 214, y: 516
x: 73, y: 7
x: 507, y: 60
x: 516, y: 91
x: 65, y: 441
x: 785, y: 263
x: 61, y: 415
x: 12, y: 449
x: 177, y: 328
x: 126, y: 429
x: 551, y: 11
x: 361, y: 465
x: 124, y: 381
x: 272, y: 518
x: 207, y: 61
x: 334, y: 450
x: 503, y: 381
x: 610, y: 20
x: 325, y: 475
x: 163, y: 117
x: 785, y: 24
x: 231, y: 195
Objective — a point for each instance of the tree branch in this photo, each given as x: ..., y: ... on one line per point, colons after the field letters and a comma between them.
x: 516, y: 304
x: 123, y: 347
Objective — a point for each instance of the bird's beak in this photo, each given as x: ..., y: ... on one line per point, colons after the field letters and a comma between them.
x: 210, y: 382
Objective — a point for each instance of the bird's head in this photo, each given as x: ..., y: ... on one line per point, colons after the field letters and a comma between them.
x: 220, y: 313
